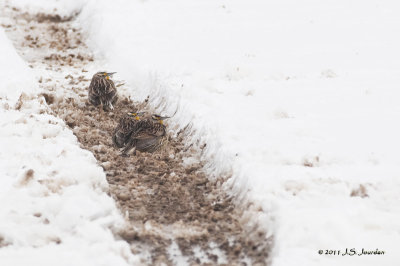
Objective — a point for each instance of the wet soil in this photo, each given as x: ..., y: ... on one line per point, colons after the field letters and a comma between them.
x: 175, y: 212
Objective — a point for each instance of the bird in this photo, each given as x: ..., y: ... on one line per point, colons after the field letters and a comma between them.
x: 148, y: 135
x: 125, y: 127
x: 102, y: 90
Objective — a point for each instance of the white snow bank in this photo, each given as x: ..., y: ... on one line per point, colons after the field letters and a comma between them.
x: 299, y: 97
x: 54, y: 209
x: 15, y: 75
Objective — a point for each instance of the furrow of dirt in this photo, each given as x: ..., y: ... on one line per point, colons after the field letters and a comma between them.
x: 172, y: 206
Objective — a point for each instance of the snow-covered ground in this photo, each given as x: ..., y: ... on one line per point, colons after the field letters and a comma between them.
x: 54, y: 209
x: 299, y: 98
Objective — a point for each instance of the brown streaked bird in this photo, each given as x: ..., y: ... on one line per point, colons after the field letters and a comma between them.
x: 127, y: 124
x: 102, y: 90
x: 148, y: 135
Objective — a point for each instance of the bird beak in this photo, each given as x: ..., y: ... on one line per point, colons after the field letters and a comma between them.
x: 110, y: 73
x: 164, y: 117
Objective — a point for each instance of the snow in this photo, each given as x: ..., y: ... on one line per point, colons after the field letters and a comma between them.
x: 14, y: 73
x: 298, y: 99
x: 60, y: 7
x: 54, y: 209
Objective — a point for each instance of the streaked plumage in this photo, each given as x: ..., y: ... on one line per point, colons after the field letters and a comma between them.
x: 102, y: 90
x: 147, y: 135
x: 127, y: 124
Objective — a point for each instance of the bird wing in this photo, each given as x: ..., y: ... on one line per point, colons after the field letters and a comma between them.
x: 143, y: 135
x: 91, y: 88
x: 148, y: 144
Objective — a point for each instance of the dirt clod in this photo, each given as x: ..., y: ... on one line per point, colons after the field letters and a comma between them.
x: 361, y: 191
x: 27, y: 177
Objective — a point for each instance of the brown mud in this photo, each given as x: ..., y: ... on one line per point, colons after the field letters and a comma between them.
x: 167, y: 203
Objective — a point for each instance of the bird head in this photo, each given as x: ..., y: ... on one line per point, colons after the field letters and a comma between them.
x: 159, y: 119
x: 105, y: 75
x: 137, y: 115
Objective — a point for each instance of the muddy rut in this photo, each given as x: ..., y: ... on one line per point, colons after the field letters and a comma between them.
x: 176, y: 213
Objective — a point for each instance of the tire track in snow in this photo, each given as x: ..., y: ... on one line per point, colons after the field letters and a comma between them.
x: 175, y: 214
